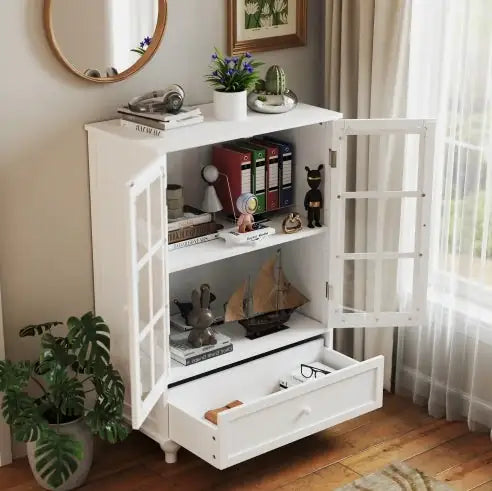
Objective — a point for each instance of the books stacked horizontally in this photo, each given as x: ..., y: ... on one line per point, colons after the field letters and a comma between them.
x: 193, y: 228
x: 184, y: 353
x: 156, y: 123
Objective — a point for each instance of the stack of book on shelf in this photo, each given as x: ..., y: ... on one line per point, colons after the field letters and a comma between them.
x: 156, y: 123
x: 193, y: 228
x: 184, y: 353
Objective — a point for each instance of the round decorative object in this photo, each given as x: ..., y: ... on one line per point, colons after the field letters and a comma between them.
x: 247, y: 203
x: 272, y: 104
x: 275, y: 80
x: 210, y: 174
x: 78, y: 430
x: 292, y: 223
x: 91, y: 40
x: 230, y: 106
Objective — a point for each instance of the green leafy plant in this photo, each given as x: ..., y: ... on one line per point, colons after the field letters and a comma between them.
x: 233, y: 74
x: 69, y: 367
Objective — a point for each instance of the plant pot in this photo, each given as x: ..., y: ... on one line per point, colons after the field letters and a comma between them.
x: 78, y: 430
x: 230, y: 106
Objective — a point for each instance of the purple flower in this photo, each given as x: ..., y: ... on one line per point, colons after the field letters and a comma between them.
x: 214, y: 56
x: 231, y: 71
x: 147, y: 40
x: 248, y: 54
x: 235, y: 59
x: 142, y: 44
x: 250, y: 69
x: 227, y: 60
x: 215, y: 73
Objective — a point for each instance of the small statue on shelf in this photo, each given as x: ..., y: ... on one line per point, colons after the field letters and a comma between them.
x: 247, y: 204
x: 313, y: 202
x: 201, y: 318
x: 185, y: 308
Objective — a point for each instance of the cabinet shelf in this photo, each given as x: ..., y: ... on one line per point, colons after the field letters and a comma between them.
x: 300, y: 329
x: 212, y: 131
x: 216, y: 250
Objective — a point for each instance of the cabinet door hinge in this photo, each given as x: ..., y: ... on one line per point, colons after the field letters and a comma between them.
x: 328, y: 291
x: 333, y: 159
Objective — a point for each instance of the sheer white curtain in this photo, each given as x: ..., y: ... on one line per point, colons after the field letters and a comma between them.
x: 447, y: 362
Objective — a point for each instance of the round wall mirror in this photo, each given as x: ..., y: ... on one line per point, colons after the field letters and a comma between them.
x: 104, y: 40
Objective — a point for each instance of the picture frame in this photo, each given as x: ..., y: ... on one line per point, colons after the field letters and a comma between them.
x: 264, y: 25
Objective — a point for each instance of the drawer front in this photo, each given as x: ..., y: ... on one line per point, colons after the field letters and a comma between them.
x: 301, y: 411
x: 271, y: 420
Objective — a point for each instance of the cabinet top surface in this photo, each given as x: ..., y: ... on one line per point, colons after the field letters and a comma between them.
x: 213, y: 131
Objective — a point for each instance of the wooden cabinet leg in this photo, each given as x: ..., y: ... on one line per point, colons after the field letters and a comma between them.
x: 170, y: 450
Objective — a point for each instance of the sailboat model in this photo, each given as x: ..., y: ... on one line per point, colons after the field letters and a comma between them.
x: 264, y: 307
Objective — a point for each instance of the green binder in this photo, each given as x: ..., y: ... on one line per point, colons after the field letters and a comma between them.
x: 258, y: 178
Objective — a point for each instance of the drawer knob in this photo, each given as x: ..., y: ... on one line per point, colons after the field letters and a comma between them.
x: 306, y: 410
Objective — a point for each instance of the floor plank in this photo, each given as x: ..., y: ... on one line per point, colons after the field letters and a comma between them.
x: 398, y: 431
x: 404, y: 447
x: 470, y: 474
x: 330, y: 477
x: 462, y: 449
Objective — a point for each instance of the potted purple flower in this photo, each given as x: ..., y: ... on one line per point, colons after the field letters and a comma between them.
x: 141, y: 49
x: 231, y: 78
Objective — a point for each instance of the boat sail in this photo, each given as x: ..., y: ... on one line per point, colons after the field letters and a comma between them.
x: 264, y: 308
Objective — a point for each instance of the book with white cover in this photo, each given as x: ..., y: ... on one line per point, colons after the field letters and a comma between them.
x: 156, y: 128
x: 192, y: 216
x: 192, y: 242
x: 184, y: 353
x: 232, y: 236
x: 296, y: 378
x: 184, y: 112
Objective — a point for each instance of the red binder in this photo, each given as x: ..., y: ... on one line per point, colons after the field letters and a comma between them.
x: 237, y: 167
x: 272, y: 182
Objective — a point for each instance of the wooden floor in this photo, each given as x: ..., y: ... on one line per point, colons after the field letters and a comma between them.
x: 398, y: 432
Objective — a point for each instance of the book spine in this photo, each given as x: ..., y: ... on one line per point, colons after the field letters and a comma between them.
x: 202, y: 357
x: 192, y: 232
x: 236, y: 165
x: 142, y: 128
x: 165, y: 118
x: 192, y: 242
x: 155, y: 128
x: 189, y: 222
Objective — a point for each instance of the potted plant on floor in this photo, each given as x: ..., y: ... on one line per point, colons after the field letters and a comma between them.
x: 80, y: 394
x: 231, y: 78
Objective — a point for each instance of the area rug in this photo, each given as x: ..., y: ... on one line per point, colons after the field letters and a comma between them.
x: 396, y: 477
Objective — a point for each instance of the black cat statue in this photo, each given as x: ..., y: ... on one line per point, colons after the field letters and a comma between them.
x: 313, y: 202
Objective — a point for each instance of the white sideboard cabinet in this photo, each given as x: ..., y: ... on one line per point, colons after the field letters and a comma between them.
x: 136, y: 277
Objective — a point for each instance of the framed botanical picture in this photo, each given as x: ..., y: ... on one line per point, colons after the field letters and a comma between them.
x: 263, y: 25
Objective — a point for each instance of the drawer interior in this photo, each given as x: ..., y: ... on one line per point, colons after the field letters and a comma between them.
x: 251, y: 381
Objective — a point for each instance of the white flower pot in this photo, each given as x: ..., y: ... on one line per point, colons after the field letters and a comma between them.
x: 230, y: 106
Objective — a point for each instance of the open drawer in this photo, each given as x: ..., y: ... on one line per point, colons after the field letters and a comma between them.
x: 271, y: 417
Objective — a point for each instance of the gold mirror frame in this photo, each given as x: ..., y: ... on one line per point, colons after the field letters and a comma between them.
x: 144, y: 59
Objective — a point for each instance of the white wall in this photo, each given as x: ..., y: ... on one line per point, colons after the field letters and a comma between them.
x: 45, y: 242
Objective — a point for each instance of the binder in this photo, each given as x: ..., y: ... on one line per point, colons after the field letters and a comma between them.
x: 272, y: 174
x: 236, y: 165
x: 286, y: 170
x: 258, y: 160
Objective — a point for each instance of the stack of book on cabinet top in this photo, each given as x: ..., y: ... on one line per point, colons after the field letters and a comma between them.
x: 156, y: 123
x: 194, y: 227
